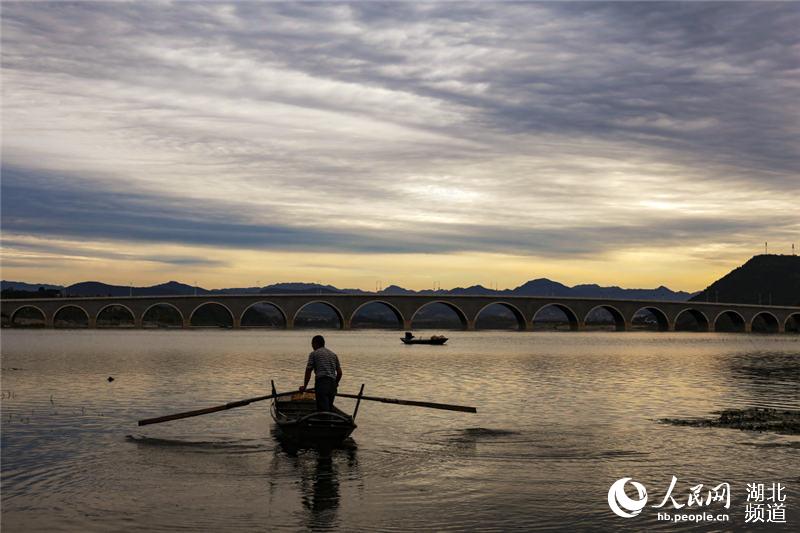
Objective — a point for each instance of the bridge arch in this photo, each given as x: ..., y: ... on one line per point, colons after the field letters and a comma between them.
x: 616, y: 314
x: 195, y: 321
x: 737, y: 321
x: 395, y: 311
x: 335, y: 309
x: 700, y: 318
x: 163, y: 305
x: 462, y: 317
x: 764, y: 322
x: 792, y: 323
x: 661, y: 316
x: 61, y: 320
x: 244, y: 322
x: 98, y: 317
x: 572, y: 316
x: 27, y: 308
x: 518, y: 315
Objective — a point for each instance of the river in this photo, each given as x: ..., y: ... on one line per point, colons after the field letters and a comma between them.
x: 561, y: 416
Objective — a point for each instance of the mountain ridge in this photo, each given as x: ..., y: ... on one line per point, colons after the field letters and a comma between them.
x: 536, y: 287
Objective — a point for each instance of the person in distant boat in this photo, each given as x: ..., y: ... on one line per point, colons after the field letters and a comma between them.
x: 327, y: 373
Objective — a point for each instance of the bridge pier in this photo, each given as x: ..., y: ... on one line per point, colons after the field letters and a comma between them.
x: 470, y: 325
x: 237, y: 322
x: 346, y: 323
x: 138, y: 322
x: 92, y: 322
x: 186, y: 324
x: 289, y: 322
x: 407, y: 324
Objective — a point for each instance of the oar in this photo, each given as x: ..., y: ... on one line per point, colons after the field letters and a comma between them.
x: 445, y: 406
x: 207, y: 410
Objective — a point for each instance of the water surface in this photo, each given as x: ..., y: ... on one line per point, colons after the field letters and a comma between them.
x: 561, y: 417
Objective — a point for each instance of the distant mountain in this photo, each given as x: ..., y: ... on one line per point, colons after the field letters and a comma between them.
x: 544, y: 287
x: 764, y: 279
x: 96, y: 288
x: 299, y: 288
x: 660, y: 293
x: 242, y: 290
x: 536, y: 287
x: 475, y: 290
x: 22, y: 286
x: 171, y: 288
x: 394, y: 289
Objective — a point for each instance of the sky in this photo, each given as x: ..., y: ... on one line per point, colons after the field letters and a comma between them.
x: 366, y: 144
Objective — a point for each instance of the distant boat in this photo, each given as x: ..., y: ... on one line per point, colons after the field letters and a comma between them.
x: 435, y: 339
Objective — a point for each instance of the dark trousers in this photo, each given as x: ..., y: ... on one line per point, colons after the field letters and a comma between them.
x: 325, y: 390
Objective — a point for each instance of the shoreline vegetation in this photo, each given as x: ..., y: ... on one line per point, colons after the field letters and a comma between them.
x: 783, y: 421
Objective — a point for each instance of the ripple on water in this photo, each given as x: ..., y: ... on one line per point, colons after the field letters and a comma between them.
x: 224, y: 446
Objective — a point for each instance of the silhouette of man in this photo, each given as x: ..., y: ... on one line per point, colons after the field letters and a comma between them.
x: 327, y: 371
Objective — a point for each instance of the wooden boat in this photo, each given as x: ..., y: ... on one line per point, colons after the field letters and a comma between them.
x: 298, y: 420
x: 436, y: 339
x: 296, y: 417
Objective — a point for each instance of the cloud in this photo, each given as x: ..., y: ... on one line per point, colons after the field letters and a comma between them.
x: 37, y: 252
x: 80, y: 211
x: 542, y: 129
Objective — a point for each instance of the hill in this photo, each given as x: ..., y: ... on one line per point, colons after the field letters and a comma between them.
x: 96, y: 288
x: 544, y: 287
x: 764, y: 279
x: 22, y: 286
x: 394, y: 289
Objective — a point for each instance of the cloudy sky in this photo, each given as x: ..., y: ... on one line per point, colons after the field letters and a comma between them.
x: 411, y: 143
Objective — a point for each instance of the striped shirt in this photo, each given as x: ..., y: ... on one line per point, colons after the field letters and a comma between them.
x: 324, y: 362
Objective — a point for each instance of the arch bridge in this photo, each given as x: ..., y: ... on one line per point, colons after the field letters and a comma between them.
x: 232, y: 310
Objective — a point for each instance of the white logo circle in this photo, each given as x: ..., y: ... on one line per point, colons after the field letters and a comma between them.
x: 617, y: 498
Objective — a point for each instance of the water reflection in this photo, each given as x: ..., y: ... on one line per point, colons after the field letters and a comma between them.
x: 318, y: 472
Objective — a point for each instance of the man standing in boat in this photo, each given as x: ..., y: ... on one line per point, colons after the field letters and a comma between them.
x: 328, y: 373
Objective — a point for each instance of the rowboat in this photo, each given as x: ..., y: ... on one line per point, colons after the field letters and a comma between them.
x: 298, y: 420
